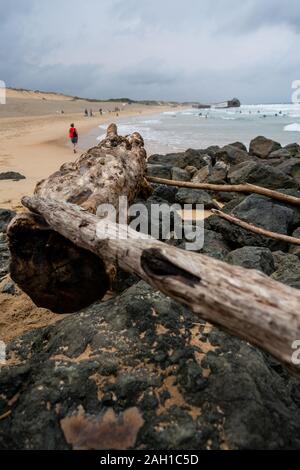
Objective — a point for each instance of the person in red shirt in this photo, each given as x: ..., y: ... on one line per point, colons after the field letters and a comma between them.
x: 73, y: 134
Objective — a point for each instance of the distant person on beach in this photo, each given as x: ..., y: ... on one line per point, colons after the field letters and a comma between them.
x: 86, y: 113
x: 73, y: 134
x: 100, y: 111
x: 91, y: 112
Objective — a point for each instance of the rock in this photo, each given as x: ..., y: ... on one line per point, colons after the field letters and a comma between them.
x: 287, y: 269
x: 260, y: 211
x: 265, y: 213
x: 211, y: 151
x: 4, y: 256
x: 201, y: 175
x: 231, y: 155
x: 239, y: 145
x: 141, y: 371
x: 167, y: 193
x: 218, y: 173
x: 293, y: 207
x: 154, y: 220
x: 225, y: 197
x: 293, y: 149
x: 214, y: 245
x: 171, y: 159
x: 191, y: 169
x: 291, y: 167
x: 6, y: 216
x: 280, y: 153
x: 159, y: 171
x: 261, y: 175
x: 262, y: 147
x: 195, y: 196
x: 179, y: 174
x: 123, y: 281
x: 253, y: 257
x: 274, y: 162
x: 295, y: 249
x: 8, y: 286
x: 197, y: 158
x: 12, y: 175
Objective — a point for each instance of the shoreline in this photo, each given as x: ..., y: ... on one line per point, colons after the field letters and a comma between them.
x: 37, y: 146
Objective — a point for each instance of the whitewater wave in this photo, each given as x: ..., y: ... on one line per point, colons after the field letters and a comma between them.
x: 295, y: 127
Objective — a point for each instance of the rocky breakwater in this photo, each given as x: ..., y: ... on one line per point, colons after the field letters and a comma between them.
x: 140, y: 371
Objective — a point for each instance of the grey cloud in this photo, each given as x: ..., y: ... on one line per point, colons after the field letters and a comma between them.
x: 160, y: 49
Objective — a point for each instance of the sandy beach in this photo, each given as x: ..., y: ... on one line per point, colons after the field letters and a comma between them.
x: 34, y: 135
x: 34, y: 142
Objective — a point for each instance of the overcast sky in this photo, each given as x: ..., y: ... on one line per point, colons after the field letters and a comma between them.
x: 205, y: 50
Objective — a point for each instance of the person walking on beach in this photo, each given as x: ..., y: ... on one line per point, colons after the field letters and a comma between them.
x: 73, y: 134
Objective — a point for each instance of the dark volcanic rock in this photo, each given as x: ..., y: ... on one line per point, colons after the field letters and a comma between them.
x: 196, y: 158
x: 4, y: 256
x: 179, y: 174
x: 6, y: 216
x: 287, y: 269
x: 294, y: 149
x: 159, y: 171
x: 195, y: 196
x: 218, y: 173
x: 253, y: 257
x: 295, y: 249
x: 292, y: 168
x: 168, y: 193
x: 293, y: 207
x: 214, y: 245
x: 11, y: 175
x: 262, y: 147
x: 280, y: 153
x: 259, y: 211
x: 232, y: 155
x: 239, y: 145
x: 171, y: 159
x: 142, y: 371
x: 265, y: 213
x: 8, y: 286
x: 261, y: 175
x: 201, y: 176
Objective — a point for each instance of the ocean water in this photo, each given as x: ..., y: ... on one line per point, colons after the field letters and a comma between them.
x: 192, y: 128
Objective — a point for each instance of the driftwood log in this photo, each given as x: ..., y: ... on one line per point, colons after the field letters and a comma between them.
x: 53, y: 271
x: 232, y: 188
x: 244, y: 302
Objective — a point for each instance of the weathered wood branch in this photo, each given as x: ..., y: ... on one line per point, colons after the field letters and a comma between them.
x: 234, y: 188
x: 244, y: 302
x: 255, y: 229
